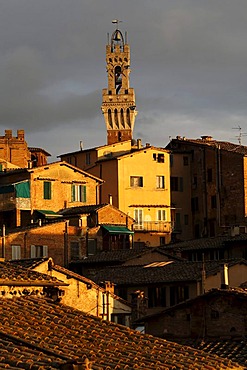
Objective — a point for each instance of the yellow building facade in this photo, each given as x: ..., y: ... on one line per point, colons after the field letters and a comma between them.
x: 137, y: 181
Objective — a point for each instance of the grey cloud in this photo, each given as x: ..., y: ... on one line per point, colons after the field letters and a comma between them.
x: 188, y: 61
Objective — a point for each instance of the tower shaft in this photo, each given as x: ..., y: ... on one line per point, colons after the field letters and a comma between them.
x: 118, y: 100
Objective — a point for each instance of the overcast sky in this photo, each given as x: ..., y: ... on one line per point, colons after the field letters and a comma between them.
x: 188, y: 63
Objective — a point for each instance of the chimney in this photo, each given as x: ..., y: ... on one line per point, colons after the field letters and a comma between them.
x: 8, y: 134
x: 110, y: 199
x: 224, y: 277
x: 139, y: 144
x: 206, y: 138
x: 20, y: 134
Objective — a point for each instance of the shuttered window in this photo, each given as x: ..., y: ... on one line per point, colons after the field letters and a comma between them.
x: 47, y: 190
x: 78, y: 193
x: 16, y: 252
x: 38, y: 251
x: 161, y: 215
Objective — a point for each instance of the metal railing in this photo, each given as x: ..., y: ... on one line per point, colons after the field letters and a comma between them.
x: 155, y: 226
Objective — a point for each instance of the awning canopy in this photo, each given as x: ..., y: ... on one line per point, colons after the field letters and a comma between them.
x: 47, y: 213
x: 117, y: 229
x: 21, y: 189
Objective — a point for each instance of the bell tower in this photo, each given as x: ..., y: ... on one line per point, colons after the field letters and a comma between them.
x: 118, y: 100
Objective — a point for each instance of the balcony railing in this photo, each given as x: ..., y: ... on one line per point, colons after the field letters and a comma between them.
x: 153, y: 226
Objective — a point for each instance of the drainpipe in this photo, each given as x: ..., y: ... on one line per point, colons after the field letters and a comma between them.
x: 66, y: 245
x: 25, y: 245
x: 3, y: 241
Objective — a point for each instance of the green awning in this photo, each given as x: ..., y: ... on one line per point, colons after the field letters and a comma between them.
x: 48, y: 213
x: 21, y: 189
x: 117, y: 229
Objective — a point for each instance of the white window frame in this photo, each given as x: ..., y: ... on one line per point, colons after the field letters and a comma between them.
x: 138, y: 216
x: 161, y: 215
x: 160, y: 182
x: 16, y: 252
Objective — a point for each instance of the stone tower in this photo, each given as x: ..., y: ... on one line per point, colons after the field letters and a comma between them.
x: 118, y: 100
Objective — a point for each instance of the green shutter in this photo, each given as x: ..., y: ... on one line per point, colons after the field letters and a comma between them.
x: 47, y: 190
x: 84, y: 194
x: 73, y: 193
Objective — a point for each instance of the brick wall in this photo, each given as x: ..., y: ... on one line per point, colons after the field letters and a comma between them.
x: 51, y: 236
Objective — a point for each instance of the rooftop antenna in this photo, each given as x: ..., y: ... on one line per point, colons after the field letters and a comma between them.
x: 240, y: 135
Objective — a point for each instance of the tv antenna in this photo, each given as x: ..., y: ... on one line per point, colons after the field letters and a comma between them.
x: 240, y: 135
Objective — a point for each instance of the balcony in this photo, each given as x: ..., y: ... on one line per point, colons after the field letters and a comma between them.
x: 153, y: 226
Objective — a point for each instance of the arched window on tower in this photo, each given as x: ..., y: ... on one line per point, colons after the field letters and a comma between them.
x: 118, y: 79
x: 109, y: 117
x: 116, y: 117
x: 122, y: 117
x: 128, y: 117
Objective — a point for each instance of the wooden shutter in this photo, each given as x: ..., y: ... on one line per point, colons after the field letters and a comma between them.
x: 47, y: 190
x: 45, y: 250
x: 72, y: 193
x: 33, y: 251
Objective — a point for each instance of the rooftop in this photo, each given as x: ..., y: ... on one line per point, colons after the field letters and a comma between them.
x: 210, y: 142
x: 175, y: 271
x: 38, y: 334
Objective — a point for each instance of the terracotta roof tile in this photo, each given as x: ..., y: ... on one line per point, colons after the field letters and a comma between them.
x: 67, y: 334
x: 18, y: 274
x: 174, y: 271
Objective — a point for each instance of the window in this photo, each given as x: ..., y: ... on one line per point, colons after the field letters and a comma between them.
x: 136, y: 181
x: 162, y: 240
x: 161, y: 215
x: 38, y: 251
x: 213, y: 201
x: 74, y: 250
x: 194, y: 204
x: 88, y: 158
x: 91, y: 247
x: 178, y: 220
x: 210, y: 174
x: 186, y: 161
x: 186, y: 219
x: 156, y: 297
x: 194, y: 184
x: 176, y: 183
x: 160, y: 182
x: 16, y: 252
x: 161, y: 158
x: 138, y: 216
x: 178, y: 294
x: 78, y: 193
x: 171, y: 160
x: 47, y: 190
